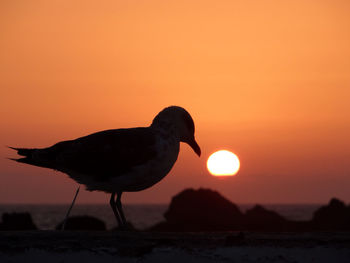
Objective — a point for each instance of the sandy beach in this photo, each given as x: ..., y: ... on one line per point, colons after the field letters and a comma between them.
x: 128, y: 246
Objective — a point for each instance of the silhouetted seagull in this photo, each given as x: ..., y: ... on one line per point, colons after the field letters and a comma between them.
x: 120, y: 160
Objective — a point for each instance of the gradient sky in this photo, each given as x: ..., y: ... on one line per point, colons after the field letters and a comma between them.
x: 268, y: 80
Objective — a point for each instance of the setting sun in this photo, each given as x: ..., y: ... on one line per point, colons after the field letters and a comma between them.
x: 223, y: 163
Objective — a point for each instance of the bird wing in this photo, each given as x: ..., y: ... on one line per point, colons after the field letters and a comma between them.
x: 100, y: 155
x: 108, y: 153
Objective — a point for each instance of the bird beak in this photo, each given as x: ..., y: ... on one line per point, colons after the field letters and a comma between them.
x: 194, y: 145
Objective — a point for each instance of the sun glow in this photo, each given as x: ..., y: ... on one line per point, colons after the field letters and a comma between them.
x: 223, y: 163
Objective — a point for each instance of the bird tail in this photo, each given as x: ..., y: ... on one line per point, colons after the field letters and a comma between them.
x: 22, y: 151
x: 30, y: 156
x: 28, y: 153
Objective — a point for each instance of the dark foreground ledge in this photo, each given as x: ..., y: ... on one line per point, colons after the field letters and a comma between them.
x: 152, y: 247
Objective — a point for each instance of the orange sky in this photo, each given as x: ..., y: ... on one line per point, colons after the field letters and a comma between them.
x: 269, y: 80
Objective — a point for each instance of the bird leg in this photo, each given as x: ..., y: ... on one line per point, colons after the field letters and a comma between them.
x: 70, y: 208
x: 120, y: 208
x: 113, y: 205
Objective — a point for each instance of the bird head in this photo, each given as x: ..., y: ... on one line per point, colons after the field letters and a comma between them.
x: 178, y: 119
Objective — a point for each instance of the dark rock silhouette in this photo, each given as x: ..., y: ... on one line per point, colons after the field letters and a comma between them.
x: 83, y: 223
x: 334, y: 216
x: 260, y: 219
x: 17, y: 221
x: 207, y: 210
x: 200, y: 210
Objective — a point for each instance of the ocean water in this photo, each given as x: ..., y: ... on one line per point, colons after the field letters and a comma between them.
x: 46, y: 217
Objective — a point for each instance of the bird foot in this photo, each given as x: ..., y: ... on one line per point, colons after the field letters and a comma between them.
x: 126, y: 227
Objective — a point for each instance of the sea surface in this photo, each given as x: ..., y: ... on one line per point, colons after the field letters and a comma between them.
x: 142, y: 216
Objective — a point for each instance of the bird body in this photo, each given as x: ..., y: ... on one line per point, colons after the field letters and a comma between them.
x: 141, y: 158
x: 120, y: 160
